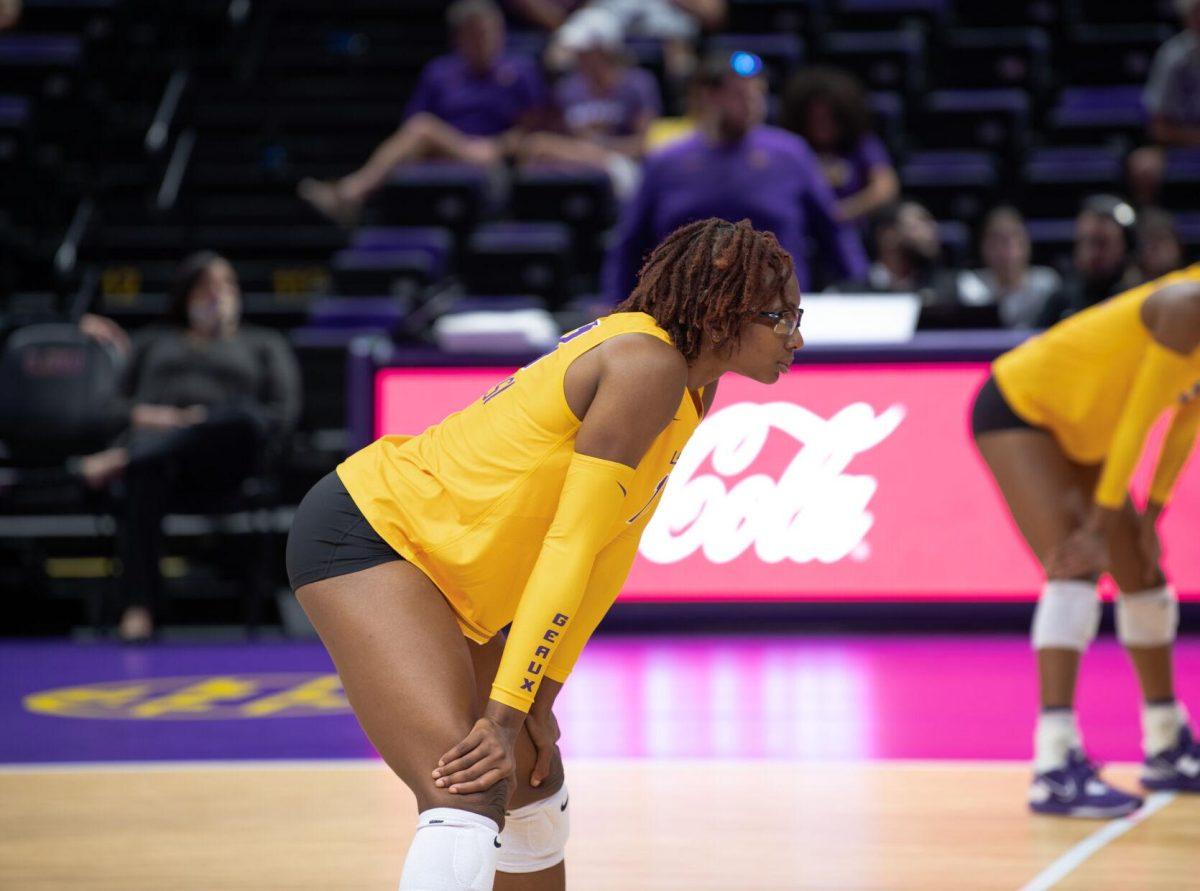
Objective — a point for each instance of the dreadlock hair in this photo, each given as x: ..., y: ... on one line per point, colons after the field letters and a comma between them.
x: 706, y: 278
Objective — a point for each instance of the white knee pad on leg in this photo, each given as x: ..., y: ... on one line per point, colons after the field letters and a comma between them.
x: 1067, y: 616
x: 535, y: 836
x: 1148, y: 618
x: 453, y: 850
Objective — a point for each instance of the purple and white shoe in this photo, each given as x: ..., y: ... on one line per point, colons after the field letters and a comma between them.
x: 1176, y: 769
x: 1076, y: 790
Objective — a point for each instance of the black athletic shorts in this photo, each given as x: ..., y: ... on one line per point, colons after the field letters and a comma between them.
x: 992, y: 412
x: 330, y: 536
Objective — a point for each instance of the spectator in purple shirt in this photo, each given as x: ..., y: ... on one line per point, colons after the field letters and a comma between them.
x: 468, y: 106
x: 735, y: 167
x: 605, y: 106
x: 829, y: 109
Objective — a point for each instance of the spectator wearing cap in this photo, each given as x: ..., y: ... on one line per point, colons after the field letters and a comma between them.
x: 1172, y: 100
x: 735, y: 167
x: 828, y: 108
x: 1007, y: 280
x: 1102, y: 259
x: 604, y: 105
x: 468, y: 106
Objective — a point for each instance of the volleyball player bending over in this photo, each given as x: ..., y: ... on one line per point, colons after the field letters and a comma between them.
x: 1061, y: 424
x: 525, y: 507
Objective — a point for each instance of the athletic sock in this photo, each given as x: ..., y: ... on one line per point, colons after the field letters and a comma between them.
x: 1161, y: 723
x: 1056, y: 736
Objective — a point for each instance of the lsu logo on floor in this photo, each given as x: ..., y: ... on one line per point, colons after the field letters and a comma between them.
x: 276, y: 695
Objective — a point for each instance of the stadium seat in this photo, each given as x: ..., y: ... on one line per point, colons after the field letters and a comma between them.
x: 1057, y: 179
x: 1052, y: 241
x: 763, y: 16
x: 1107, y: 12
x: 1181, y: 180
x: 519, y: 258
x: 956, y: 185
x: 880, y: 14
x: 29, y: 61
x: 451, y: 195
x: 1097, y: 115
x: 1112, y: 54
x: 399, y: 272
x: 883, y: 60
x: 993, y: 57
x: 1011, y: 14
x: 996, y: 120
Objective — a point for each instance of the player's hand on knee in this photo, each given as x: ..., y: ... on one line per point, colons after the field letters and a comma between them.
x: 480, y: 761
x: 1084, y: 553
x: 543, y: 730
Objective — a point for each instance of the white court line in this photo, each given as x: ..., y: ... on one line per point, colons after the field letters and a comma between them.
x: 1072, y: 859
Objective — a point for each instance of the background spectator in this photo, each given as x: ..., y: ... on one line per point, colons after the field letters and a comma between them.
x: 908, y: 253
x: 605, y: 106
x: 1101, y: 261
x: 1172, y: 99
x: 1007, y: 280
x: 10, y: 13
x: 735, y: 167
x: 208, y: 396
x: 466, y: 107
x: 678, y: 24
x: 829, y: 109
x: 1159, y: 249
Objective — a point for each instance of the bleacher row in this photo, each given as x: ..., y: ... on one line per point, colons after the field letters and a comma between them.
x: 132, y: 133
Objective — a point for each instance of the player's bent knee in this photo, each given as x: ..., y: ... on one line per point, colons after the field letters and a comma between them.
x: 1067, y: 615
x: 489, y: 803
x: 1148, y: 618
x: 535, y: 836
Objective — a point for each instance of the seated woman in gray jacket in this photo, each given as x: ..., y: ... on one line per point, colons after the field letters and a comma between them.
x: 207, y: 397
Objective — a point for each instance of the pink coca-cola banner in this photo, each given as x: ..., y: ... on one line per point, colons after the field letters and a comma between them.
x: 838, y: 482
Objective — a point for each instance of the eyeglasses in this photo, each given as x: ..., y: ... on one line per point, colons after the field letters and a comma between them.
x: 785, y: 322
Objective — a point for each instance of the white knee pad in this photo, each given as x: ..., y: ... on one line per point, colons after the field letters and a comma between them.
x: 535, y: 836
x: 453, y: 850
x: 1148, y: 618
x: 1067, y: 616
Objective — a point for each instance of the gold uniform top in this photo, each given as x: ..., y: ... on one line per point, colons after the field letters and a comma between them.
x: 1098, y: 381
x: 470, y: 501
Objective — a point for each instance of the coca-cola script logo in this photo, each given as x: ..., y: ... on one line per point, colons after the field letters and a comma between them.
x: 814, y: 511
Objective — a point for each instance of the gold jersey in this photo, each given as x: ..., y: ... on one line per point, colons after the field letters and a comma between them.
x: 1098, y: 380
x: 470, y: 499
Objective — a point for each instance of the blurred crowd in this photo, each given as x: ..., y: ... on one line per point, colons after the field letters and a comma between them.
x: 804, y: 162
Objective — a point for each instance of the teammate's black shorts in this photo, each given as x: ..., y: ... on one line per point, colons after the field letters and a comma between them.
x: 330, y: 536
x: 992, y: 412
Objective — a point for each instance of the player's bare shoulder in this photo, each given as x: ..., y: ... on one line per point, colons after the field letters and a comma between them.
x: 1173, y: 316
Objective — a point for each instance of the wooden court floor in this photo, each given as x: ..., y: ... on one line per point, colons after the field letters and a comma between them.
x: 696, y: 825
